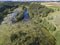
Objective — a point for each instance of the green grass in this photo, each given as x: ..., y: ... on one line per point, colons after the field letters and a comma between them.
x: 57, y: 36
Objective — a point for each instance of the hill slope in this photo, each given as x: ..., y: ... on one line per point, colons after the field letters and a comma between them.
x: 30, y: 32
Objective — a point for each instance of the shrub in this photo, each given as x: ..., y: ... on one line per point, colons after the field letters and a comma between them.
x: 13, y: 37
x: 19, y: 16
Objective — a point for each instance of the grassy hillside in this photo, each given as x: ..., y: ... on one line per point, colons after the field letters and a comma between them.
x: 34, y: 31
x: 26, y: 33
x: 56, y: 22
x: 54, y: 19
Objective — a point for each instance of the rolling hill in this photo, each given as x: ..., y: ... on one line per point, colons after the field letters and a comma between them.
x: 37, y: 30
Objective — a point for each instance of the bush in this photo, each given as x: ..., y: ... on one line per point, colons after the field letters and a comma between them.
x: 13, y: 37
x: 7, y: 11
x: 19, y: 16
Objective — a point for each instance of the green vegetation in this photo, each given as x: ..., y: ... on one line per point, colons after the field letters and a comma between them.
x: 35, y: 31
x: 19, y: 16
x: 29, y: 33
x: 6, y: 8
x: 41, y: 11
x: 56, y: 22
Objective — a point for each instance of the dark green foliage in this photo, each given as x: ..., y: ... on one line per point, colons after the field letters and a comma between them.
x: 1, y: 17
x: 37, y: 9
x: 36, y: 42
x: 19, y: 16
x: 48, y: 25
x: 5, y: 12
x: 22, y: 33
x: 7, y: 7
x: 13, y: 37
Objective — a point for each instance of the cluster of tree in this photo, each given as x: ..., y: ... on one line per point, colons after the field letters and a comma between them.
x: 19, y: 16
x: 6, y: 8
x: 38, y: 12
x: 38, y: 9
x: 48, y: 25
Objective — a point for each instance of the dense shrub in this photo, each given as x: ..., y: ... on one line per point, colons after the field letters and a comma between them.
x: 34, y: 35
x: 7, y: 7
x: 37, y: 9
x: 13, y: 37
x: 48, y: 25
x: 19, y: 16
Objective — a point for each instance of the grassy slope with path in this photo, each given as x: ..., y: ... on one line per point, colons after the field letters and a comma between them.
x: 6, y: 30
x: 56, y: 22
x: 54, y: 18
